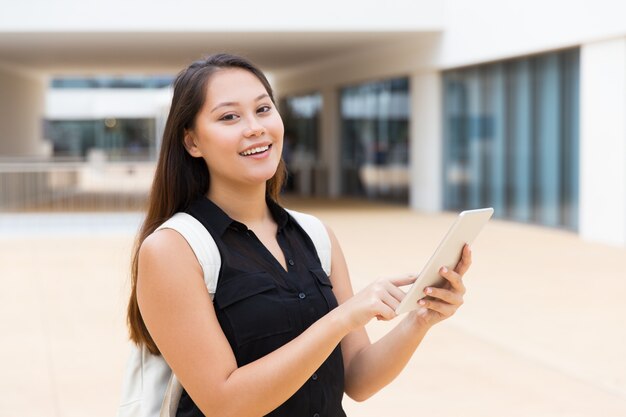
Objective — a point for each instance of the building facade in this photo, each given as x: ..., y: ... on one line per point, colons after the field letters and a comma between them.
x: 447, y: 106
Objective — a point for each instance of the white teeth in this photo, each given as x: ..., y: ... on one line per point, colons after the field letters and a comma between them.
x: 255, y: 150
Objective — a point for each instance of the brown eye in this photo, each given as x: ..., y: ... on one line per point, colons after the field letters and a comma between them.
x: 229, y: 117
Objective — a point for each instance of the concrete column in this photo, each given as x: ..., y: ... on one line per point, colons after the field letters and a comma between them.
x: 22, y: 101
x: 330, y: 145
x: 602, y: 202
x: 425, y: 159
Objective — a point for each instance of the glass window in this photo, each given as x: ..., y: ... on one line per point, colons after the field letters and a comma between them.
x: 375, y: 140
x: 511, y: 138
x: 126, y: 81
x: 301, y: 117
x: 120, y: 139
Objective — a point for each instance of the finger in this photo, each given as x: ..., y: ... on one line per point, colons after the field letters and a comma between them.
x: 401, y: 280
x: 454, y: 278
x: 450, y: 297
x: 386, y: 312
x: 391, y: 301
x: 387, y: 292
x: 396, y: 292
x: 380, y: 298
x: 440, y: 307
x: 466, y: 260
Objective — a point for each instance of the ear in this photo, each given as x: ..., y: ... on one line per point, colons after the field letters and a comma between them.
x: 190, y: 144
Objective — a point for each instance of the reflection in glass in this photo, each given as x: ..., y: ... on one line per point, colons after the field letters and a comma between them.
x: 301, y: 117
x: 374, y: 141
x: 119, y: 139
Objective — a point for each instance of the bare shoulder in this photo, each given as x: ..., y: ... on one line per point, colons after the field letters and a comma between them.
x: 334, y: 244
x: 339, y: 276
x: 167, y: 250
x: 331, y: 234
x: 161, y: 241
x: 167, y: 267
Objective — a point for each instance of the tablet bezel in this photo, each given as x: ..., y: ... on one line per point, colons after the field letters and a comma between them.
x: 464, y: 230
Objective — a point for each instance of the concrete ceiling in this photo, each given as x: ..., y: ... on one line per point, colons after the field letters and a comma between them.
x: 162, y: 52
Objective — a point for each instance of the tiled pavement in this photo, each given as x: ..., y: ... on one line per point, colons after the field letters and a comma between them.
x: 542, y: 331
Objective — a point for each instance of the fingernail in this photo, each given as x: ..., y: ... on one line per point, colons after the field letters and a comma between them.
x: 422, y: 302
x: 429, y: 290
x: 444, y: 269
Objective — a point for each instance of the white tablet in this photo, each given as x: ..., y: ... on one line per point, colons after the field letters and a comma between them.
x: 464, y: 230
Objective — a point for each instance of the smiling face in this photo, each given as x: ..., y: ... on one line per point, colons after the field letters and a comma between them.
x: 238, y: 131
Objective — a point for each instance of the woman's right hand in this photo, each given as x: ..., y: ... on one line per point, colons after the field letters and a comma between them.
x: 379, y: 299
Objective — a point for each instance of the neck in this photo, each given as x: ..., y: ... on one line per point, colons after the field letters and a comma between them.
x: 246, y: 205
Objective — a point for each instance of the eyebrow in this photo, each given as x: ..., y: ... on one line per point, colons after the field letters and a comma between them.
x: 233, y: 103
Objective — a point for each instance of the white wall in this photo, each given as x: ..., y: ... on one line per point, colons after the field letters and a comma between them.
x: 426, y: 148
x: 418, y: 52
x: 243, y: 15
x: 21, y: 111
x: 71, y: 104
x: 485, y: 30
x: 603, y: 141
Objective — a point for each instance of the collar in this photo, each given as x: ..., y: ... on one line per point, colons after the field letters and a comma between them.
x: 280, y: 215
x: 215, y: 219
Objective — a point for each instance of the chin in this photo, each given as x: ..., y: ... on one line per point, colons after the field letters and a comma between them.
x: 261, y: 177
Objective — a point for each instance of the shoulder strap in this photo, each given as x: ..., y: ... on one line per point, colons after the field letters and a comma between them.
x: 202, y: 244
x: 318, y: 234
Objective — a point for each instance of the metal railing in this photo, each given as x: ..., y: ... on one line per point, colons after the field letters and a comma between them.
x: 66, y: 186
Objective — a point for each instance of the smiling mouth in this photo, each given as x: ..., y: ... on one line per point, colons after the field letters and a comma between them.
x: 255, y: 151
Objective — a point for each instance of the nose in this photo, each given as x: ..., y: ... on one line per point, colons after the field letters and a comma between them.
x: 254, y: 128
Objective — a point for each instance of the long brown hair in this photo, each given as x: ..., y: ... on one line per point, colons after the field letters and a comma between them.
x: 179, y: 178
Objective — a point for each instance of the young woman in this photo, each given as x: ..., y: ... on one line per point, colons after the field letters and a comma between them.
x: 280, y: 337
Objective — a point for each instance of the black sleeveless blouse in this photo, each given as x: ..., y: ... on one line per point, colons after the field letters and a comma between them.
x: 261, y: 306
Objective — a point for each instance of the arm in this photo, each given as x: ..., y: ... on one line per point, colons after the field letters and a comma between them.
x: 179, y: 315
x: 370, y: 367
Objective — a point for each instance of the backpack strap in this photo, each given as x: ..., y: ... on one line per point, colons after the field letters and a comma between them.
x: 318, y: 234
x: 202, y: 244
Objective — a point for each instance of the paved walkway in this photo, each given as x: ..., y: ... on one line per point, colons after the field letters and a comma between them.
x: 542, y: 331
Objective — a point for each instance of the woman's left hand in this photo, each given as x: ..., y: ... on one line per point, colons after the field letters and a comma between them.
x: 443, y: 302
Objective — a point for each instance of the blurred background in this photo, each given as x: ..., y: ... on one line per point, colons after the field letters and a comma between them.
x: 396, y: 116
